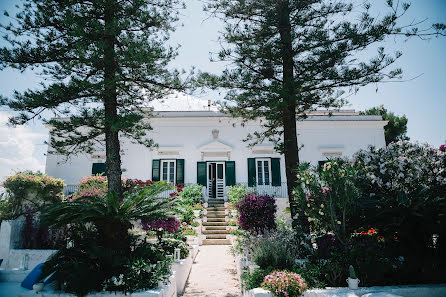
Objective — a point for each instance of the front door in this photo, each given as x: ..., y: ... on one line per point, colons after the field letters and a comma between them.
x: 216, y: 180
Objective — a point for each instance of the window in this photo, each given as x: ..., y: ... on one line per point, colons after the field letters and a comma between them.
x: 98, y: 168
x: 168, y: 170
x: 263, y: 172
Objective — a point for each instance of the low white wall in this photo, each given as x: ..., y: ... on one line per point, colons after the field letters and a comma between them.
x: 35, y: 257
x: 403, y: 291
x: 182, y: 269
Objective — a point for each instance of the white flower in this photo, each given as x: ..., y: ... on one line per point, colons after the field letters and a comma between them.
x: 339, y: 222
x: 322, y: 206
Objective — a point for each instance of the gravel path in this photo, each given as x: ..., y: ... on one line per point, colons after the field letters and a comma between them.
x: 213, y: 274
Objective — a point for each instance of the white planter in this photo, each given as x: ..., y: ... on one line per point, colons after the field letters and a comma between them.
x: 197, y: 213
x: 352, y: 283
x: 226, y: 211
x: 205, y: 211
x: 205, y: 219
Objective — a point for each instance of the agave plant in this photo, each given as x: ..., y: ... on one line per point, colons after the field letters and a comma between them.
x: 112, y: 215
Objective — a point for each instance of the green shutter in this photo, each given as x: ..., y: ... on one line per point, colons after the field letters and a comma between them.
x: 155, y: 170
x: 275, y: 172
x: 251, y: 172
x: 201, y: 173
x: 180, y: 171
x: 230, y: 173
x: 98, y: 168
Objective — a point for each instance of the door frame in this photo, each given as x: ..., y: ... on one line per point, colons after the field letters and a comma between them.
x: 210, y: 189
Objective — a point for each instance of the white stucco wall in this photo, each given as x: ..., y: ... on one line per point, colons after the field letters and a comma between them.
x: 186, y: 134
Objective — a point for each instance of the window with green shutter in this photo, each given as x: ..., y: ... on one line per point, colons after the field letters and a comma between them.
x: 180, y: 171
x: 155, y: 170
x: 230, y: 173
x: 201, y: 173
x: 98, y: 168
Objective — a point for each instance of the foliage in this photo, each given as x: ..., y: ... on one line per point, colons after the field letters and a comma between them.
x: 255, y: 279
x: 405, y: 187
x: 233, y: 222
x: 187, y: 215
x: 169, y: 245
x: 191, y: 195
x: 189, y: 231
x: 396, y: 127
x: 285, y: 284
x: 328, y: 198
x: 111, y: 215
x: 236, y: 193
x: 194, y: 223
x: 197, y: 206
x: 257, y: 212
x: 170, y: 225
x: 39, y: 237
x: 86, y: 265
x: 102, y: 62
x: 352, y: 272
x: 6, y: 209
x: 97, y: 185
x: 32, y: 189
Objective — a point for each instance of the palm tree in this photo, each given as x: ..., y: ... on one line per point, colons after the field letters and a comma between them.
x: 112, y: 216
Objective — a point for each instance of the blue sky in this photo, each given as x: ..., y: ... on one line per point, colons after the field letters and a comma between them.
x: 422, y: 100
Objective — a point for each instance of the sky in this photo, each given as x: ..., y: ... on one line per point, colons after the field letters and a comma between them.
x: 422, y: 98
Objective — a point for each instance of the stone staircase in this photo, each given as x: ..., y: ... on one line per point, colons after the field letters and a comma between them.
x: 215, y: 227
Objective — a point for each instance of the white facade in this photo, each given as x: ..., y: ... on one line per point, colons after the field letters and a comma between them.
x: 207, y: 135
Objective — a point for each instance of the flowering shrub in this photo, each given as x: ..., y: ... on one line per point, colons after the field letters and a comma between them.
x: 329, y: 197
x: 285, y: 284
x: 257, y: 212
x: 33, y: 189
x: 97, y: 186
x: 170, y: 225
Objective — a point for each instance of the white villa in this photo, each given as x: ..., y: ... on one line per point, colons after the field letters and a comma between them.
x: 198, y: 144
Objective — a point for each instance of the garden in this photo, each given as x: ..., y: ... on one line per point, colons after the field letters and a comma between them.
x: 103, y: 242
x: 377, y: 218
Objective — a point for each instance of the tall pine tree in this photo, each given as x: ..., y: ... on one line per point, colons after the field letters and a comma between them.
x: 102, y: 61
x: 290, y: 57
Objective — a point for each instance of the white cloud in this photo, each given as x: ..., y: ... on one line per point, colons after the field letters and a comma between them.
x: 20, y: 148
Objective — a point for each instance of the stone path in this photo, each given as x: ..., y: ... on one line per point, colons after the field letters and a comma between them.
x: 213, y: 274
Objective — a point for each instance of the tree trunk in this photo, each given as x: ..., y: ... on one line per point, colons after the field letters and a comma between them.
x: 113, y: 170
x: 291, y: 151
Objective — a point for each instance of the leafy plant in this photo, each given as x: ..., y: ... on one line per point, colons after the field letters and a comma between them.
x: 191, y: 195
x: 236, y: 193
x: 169, y: 245
x: 6, y: 208
x: 255, y: 279
x: 352, y: 272
x: 257, y: 212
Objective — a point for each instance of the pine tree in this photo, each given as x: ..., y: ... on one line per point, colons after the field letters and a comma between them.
x: 290, y: 57
x: 101, y: 61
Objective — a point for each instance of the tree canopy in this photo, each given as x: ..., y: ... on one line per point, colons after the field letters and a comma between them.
x: 101, y: 61
x: 395, y: 129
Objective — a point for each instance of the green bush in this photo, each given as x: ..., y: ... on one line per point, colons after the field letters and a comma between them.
x: 6, y: 212
x: 236, y: 193
x: 254, y: 279
x: 32, y: 189
x: 169, y: 245
x: 191, y: 195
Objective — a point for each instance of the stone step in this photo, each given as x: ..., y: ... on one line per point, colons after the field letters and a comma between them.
x: 216, y: 242
x: 215, y: 236
x: 216, y: 219
x: 216, y: 200
x: 220, y: 214
x: 222, y: 208
x: 213, y: 231
x: 220, y: 204
x: 214, y: 228
x: 214, y: 224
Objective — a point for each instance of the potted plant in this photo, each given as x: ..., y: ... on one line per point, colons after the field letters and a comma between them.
x: 352, y: 281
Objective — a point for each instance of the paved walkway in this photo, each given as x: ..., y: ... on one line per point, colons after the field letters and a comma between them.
x: 213, y: 274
